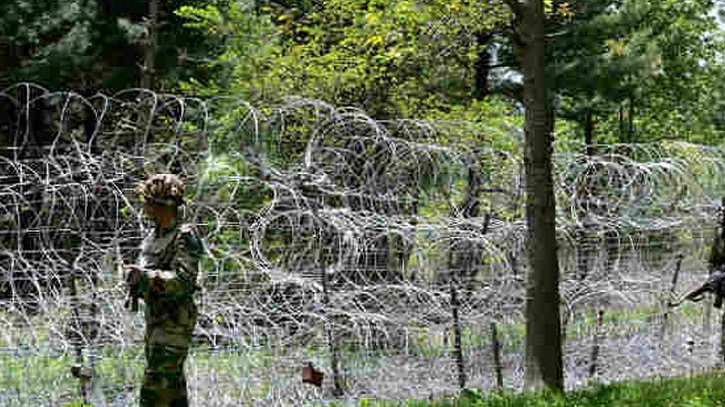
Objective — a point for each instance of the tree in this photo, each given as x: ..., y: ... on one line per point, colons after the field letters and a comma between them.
x: 148, y: 70
x: 46, y: 41
x: 394, y: 59
x: 543, y: 353
x: 92, y: 45
x: 637, y: 62
x: 631, y: 70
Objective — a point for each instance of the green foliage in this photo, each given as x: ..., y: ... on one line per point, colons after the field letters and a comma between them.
x: 52, y: 39
x: 392, y: 58
x: 644, y: 70
x: 77, y: 403
x: 86, y: 45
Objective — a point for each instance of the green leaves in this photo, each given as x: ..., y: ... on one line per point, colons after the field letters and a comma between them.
x: 390, y: 58
x: 56, y: 38
x: 639, y: 67
x: 207, y: 18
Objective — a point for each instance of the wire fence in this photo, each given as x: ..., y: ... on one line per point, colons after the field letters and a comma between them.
x: 389, y: 255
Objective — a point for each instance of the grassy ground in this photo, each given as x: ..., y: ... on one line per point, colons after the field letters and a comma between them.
x: 28, y: 376
x: 696, y: 391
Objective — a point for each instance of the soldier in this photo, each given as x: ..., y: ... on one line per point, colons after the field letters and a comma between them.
x: 716, y: 281
x: 715, y: 284
x: 165, y: 277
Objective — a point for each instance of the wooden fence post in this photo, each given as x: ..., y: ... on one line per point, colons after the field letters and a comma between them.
x: 496, y: 350
x: 673, y: 290
x: 596, y: 344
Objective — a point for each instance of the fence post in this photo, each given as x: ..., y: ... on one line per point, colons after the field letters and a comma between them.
x: 596, y: 344
x: 457, y: 351
x: 673, y: 290
x: 337, y: 389
x: 331, y: 339
x: 496, y: 350
x: 722, y: 338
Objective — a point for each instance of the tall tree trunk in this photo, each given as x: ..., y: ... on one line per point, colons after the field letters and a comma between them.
x: 483, y: 65
x: 630, y: 121
x: 621, y: 123
x: 149, y: 68
x: 543, y: 353
x: 589, y: 133
x: 407, y: 248
x: 7, y: 62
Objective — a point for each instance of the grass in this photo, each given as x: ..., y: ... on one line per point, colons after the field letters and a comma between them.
x: 696, y: 391
x: 42, y: 373
x: 26, y: 376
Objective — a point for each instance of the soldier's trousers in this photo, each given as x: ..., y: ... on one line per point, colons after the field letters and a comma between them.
x: 164, y: 383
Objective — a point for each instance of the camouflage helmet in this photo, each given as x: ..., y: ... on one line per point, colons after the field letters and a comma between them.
x: 163, y: 189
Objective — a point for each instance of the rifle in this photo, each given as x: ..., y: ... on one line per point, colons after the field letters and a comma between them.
x: 715, y: 284
x: 133, y: 293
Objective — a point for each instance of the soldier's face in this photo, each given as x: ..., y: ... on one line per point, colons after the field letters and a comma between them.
x: 162, y: 215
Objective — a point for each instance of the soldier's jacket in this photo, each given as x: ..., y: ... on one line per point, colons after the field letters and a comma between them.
x: 172, y: 261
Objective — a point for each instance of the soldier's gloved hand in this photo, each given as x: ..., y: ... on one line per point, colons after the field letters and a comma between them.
x: 133, y: 274
x: 158, y: 280
x: 133, y: 289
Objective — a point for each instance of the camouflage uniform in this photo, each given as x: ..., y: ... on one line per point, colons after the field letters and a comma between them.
x: 172, y: 262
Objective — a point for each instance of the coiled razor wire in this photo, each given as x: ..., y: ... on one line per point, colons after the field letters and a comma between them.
x: 384, y: 253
